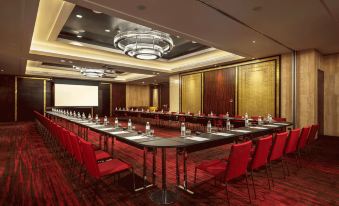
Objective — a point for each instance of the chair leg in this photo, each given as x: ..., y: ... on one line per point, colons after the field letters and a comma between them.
x: 195, y: 175
x: 288, y: 170
x: 255, y: 193
x: 133, y: 178
x: 283, y: 168
x: 270, y: 167
x: 268, y: 178
x: 228, y: 198
x: 248, y: 188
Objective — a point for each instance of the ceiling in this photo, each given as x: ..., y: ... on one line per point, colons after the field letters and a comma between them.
x: 100, y: 29
x: 232, y: 29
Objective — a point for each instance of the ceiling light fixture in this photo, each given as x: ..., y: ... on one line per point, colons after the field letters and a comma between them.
x: 1, y: 70
x: 145, y: 45
x: 62, y: 61
x: 92, y: 72
x: 253, y: 42
x: 76, y: 43
x: 107, y: 30
x: 97, y: 12
x: 79, y: 36
x: 79, y: 16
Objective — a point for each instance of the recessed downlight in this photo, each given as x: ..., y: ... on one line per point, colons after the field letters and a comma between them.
x: 79, y: 16
x: 76, y: 43
x: 2, y: 70
x: 253, y: 41
x: 97, y: 12
x: 62, y: 60
x: 79, y: 36
x: 107, y: 30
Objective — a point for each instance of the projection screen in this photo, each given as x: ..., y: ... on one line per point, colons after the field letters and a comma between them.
x: 75, y: 95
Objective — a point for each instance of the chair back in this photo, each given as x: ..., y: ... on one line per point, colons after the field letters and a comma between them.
x: 278, y: 146
x: 67, y: 140
x: 238, y: 160
x: 292, y: 141
x: 261, y: 152
x: 279, y: 119
x: 76, y: 147
x: 88, y: 156
x: 305, y: 133
x: 313, y: 133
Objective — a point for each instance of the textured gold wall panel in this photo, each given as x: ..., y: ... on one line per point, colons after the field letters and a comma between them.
x: 191, y: 93
x: 137, y: 96
x: 257, y: 88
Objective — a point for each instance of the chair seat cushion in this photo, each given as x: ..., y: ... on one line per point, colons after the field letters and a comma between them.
x: 113, y: 166
x: 213, y: 167
x: 101, y: 155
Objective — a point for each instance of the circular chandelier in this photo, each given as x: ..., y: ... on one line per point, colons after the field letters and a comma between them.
x: 91, y: 72
x: 145, y: 45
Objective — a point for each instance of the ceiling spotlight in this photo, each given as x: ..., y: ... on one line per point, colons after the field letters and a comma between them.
x: 97, y: 12
x: 107, y: 30
x: 70, y: 62
x: 143, y: 82
x: 253, y: 41
x: 79, y: 36
x: 81, y: 31
x: 79, y: 16
x: 194, y: 42
x: 63, y: 61
x: 158, y: 73
x: 76, y: 32
x: 76, y: 43
x: 1, y: 70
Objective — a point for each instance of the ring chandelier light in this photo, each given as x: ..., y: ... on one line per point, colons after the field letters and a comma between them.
x: 145, y: 45
x: 90, y: 72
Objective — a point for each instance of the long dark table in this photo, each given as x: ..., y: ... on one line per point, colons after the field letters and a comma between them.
x: 183, y: 146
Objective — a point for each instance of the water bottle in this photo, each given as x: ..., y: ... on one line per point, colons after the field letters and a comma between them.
x: 209, y: 127
x: 116, y: 123
x: 269, y: 118
x: 89, y: 117
x: 148, y: 128
x: 129, y: 125
x: 211, y: 113
x: 227, y: 115
x: 246, y: 115
x: 79, y: 116
x: 228, y: 125
x: 199, y: 113
x: 74, y: 114
x: 96, y: 118
x: 246, y: 120
x: 105, y: 120
x: 259, y: 120
x: 188, y: 112
x: 183, y: 129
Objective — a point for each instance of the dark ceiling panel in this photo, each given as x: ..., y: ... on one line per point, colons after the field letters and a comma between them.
x: 91, y: 27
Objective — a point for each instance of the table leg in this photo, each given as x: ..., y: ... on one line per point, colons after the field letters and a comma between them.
x: 185, y: 186
x: 112, y: 146
x: 145, y: 168
x: 154, y: 172
x: 177, y: 167
x: 163, y: 196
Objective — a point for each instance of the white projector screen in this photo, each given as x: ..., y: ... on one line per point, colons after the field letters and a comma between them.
x: 75, y: 95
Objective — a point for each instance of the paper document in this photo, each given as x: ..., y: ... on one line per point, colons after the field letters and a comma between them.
x: 242, y: 131
x: 223, y: 134
x: 195, y: 138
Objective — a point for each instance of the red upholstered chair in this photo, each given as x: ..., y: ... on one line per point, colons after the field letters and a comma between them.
x: 279, y: 119
x: 292, y: 144
x: 313, y: 134
x: 277, y: 151
x: 235, y: 166
x: 305, y: 133
x: 100, y: 170
x: 260, y: 158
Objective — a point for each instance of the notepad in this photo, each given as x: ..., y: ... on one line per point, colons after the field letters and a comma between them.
x: 136, y: 137
x: 279, y: 123
x: 258, y: 128
x: 106, y: 129
x: 119, y: 132
x: 223, y: 134
x: 242, y: 131
x: 195, y: 138
x: 271, y: 125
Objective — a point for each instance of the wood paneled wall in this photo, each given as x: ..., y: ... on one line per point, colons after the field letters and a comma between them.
x: 219, y: 91
x: 104, y: 99
x: 137, y: 95
x: 30, y: 97
x: 256, y: 89
x: 286, y: 86
x: 174, y: 90
x: 7, y: 98
x: 191, y: 92
x: 118, y: 95
x: 164, y: 96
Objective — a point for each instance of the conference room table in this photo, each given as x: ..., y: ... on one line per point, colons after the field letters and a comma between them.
x: 182, y: 145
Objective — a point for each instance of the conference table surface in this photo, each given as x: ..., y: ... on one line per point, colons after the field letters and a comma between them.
x: 192, y: 143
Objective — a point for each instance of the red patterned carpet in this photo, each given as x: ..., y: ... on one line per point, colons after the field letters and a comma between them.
x: 30, y: 174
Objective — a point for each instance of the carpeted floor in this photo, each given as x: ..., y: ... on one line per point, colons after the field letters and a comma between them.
x: 30, y: 174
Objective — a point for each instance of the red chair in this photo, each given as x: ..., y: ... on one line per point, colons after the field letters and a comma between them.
x: 100, y: 170
x: 313, y: 134
x: 305, y: 133
x: 260, y: 157
x: 279, y: 119
x: 278, y: 151
x: 292, y: 144
x: 234, y: 167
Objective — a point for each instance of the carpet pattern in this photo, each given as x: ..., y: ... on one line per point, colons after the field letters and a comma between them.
x: 30, y: 174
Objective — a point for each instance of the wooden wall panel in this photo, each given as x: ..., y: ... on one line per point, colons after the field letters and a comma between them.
x: 30, y: 97
x: 286, y: 86
x: 191, y: 93
x: 219, y: 91
x: 257, y: 88
x: 118, y: 95
x: 164, y: 96
x: 104, y: 100
x: 174, y: 93
x: 7, y: 98
x: 137, y: 95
